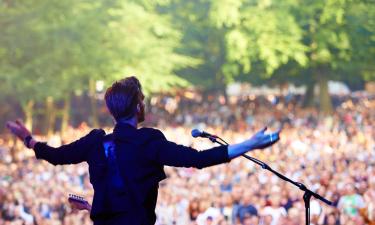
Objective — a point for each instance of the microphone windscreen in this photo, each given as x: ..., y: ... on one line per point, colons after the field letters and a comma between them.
x: 195, y: 133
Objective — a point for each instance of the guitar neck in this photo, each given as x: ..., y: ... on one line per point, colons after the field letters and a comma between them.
x: 79, y: 202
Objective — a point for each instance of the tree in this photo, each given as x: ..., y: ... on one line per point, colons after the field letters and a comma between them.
x: 231, y: 36
x: 49, y: 49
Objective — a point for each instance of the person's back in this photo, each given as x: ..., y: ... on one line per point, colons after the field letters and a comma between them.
x: 126, y: 180
x: 143, y: 154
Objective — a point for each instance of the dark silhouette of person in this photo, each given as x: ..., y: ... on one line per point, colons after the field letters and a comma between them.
x: 126, y: 166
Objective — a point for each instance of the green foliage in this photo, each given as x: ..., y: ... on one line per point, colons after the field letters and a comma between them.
x: 361, y: 30
x: 230, y: 36
x: 51, y: 48
x: 147, y: 44
x: 267, y: 34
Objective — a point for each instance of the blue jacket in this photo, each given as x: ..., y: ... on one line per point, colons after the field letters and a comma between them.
x: 141, y: 155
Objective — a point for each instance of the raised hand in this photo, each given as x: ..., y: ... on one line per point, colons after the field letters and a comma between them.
x: 18, y: 129
x: 261, y: 140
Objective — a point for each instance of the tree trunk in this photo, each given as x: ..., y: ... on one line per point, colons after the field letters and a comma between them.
x: 325, y: 102
x: 308, y: 100
x: 28, y: 110
x: 65, y: 114
x: 220, y: 85
x: 94, y: 109
x: 50, y: 115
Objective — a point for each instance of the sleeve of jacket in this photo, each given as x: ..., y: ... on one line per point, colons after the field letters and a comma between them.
x: 72, y: 153
x: 171, y: 154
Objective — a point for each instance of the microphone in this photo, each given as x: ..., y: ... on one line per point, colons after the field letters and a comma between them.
x: 197, y: 133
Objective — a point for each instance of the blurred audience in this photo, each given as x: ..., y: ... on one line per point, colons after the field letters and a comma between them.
x: 333, y: 155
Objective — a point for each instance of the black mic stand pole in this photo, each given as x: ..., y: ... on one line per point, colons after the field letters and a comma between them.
x: 308, y: 192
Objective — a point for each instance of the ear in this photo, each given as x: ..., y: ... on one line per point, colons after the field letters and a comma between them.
x: 138, y: 108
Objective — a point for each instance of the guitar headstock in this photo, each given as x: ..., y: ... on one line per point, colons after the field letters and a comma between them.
x: 78, y: 202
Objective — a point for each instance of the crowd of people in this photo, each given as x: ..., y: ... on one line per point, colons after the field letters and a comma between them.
x: 332, y: 155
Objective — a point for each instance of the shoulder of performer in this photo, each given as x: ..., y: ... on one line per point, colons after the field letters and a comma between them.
x: 100, y: 132
x: 93, y: 136
x: 95, y: 133
x: 152, y: 133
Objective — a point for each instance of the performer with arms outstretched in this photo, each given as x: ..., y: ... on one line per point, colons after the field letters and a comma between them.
x: 126, y: 166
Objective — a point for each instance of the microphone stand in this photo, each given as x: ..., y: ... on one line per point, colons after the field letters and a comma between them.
x: 308, y: 193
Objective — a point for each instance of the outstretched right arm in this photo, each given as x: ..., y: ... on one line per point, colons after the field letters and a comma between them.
x: 259, y: 141
x: 171, y: 154
x: 72, y: 153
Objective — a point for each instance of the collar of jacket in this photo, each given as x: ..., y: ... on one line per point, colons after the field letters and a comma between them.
x: 124, y: 131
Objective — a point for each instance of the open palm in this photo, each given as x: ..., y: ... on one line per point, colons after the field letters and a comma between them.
x: 262, y: 140
x: 18, y: 129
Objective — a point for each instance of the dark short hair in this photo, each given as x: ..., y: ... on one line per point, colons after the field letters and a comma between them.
x: 122, y: 97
